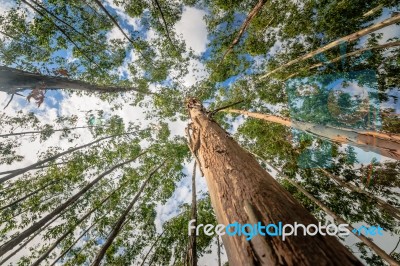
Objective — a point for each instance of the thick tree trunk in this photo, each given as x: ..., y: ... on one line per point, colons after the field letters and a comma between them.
x: 52, y: 158
x: 37, y: 225
x: 381, y: 253
x: 192, y: 254
x: 239, y: 185
x: 118, y: 225
x: 354, y: 36
x: 13, y: 80
x: 387, y: 145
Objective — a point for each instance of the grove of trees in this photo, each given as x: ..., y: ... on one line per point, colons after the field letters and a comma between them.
x: 293, y: 116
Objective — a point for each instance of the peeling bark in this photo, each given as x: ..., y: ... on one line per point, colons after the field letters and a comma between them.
x: 235, y: 180
x: 386, y: 144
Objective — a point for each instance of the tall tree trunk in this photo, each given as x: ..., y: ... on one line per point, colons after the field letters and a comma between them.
x: 354, y: 36
x: 13, y: 80
x: 52, y: 158
x: 342, y: 57
x: 236, y: 182
x: 58, y: 241
x: 37, y: 225
x: 37, y: 167
x: 118, y: 225
x: 385, y: 144
x: 219, y: 251
x: 12, y: 254
x: 192, y: 254
x: 27, y: 195
x: 381, y: 253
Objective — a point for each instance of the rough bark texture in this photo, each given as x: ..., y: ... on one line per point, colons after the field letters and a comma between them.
x: 235, y: 180
x: 385, y: 144
x: 13, y: 80
x: 354, y: 36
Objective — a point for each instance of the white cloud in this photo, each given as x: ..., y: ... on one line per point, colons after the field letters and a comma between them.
x: 193, y: 29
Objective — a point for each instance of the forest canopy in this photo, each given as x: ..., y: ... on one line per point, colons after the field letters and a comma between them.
x: 121, y: 121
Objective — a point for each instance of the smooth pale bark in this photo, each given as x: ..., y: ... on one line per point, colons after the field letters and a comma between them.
x: 151, y: 248
x: 244, y: 27
x: 14, y: 80
x: 354, y: 36
x: 192, y: 252
x: 380, y: 252
x: 118, y: 225
x: 52, y: 158
x: 385, y: 144
x: 373, y: 11
x: 394, y: 212
x: 37, y: 225
x: 242, y: 191
x: 383, y: 46
x: 71, y: 230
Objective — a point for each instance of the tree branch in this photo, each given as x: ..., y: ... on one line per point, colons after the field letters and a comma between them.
x: 243, y: 28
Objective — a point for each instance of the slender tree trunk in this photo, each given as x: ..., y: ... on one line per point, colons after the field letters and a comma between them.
x: 385, y: 144
x: 192, y: 254
x: 244, y: 26
x: 58, y: 241
x: 151, y: 248
x: 27, y: 195
x: 42, y: 131
x: 118, y: 225
x: 219, y: 251
x: 76, y: 240
x: 27, y: 242
x: 394, y: 212
x: 37, y: 225
x: 38, y: 167
x: 381, y: 253
x: 342, y: 57
x: 52, y: 158
x: 13, y: 80
x: 239, y: 185
x: 354, y: 36
x: 373, y: 11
